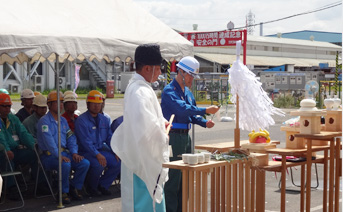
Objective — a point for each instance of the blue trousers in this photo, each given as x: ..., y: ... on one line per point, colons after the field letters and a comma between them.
x: 95, y: 176
x: 80, y: 170
x: 142, y: 199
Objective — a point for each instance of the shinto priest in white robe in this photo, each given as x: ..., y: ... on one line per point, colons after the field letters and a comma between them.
x: 141, y: 142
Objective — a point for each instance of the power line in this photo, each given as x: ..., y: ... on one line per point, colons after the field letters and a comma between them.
x: 303, y: 13
x: 325, y: 7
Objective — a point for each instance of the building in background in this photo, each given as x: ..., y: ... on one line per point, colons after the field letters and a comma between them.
x: 330, y: 37
x: 281, y: 63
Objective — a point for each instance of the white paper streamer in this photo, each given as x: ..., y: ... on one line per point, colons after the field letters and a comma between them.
x: 255, y: 107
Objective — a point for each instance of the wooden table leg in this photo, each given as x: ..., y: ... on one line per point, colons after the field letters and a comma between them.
x: 228, y: 185
x: 337, y: 165
x: 331, y: 174
x: 217, y: 189
x: 222, y: 187
x: 247, y: 187
x: 191, y: 191
x: 325, y: 181
x: 283, y: 184
x: 213, y: 189
x: 260, y: 188
x: 308, y: 174
x: 184, y: 190
x: 204, y: 191
x: 302, y: 188
x: 234, y: 188
x: 253, y: 189
x: 240, y: 183
x: 198, y: 191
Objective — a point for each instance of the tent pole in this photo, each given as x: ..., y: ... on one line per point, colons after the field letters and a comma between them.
x: 60, y: 204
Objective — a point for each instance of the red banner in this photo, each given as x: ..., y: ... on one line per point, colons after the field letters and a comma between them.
x: 221, y: 38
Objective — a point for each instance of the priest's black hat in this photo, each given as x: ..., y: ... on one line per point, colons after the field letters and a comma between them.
x: 148, y: 54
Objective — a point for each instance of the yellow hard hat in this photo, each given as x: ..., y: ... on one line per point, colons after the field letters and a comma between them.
x: 52, y: 96
x: 94, y: 96
x: 5, y: 99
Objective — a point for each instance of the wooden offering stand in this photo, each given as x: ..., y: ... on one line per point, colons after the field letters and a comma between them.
x: 291, y: 141
x: 333, y: 120
x: 309, y: 121
x: 303, y: 140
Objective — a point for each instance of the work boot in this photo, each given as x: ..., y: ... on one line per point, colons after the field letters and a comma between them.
x: 74, y: 193
x: 65, y: 199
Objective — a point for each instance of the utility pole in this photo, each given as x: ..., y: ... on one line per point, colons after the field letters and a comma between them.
x: 250, y: 21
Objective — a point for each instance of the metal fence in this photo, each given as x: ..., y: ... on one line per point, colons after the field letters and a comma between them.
x: 214, y: 89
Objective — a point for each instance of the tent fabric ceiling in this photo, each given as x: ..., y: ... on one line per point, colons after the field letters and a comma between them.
x: 109, y: 29
x: 265, y: 60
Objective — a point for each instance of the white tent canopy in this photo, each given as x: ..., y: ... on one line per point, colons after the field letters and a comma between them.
x: 32, y: 30
x: 106, y: 29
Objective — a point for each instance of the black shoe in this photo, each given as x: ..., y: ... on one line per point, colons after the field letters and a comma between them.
x: 65, y: 199
x: 74, y: 193
x: 84, y: 192
x: 94, y: 193
x: 104, y: 191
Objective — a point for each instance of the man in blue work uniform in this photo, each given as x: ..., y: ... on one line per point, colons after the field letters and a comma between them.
x: 178, y: 99
x: 94, y: 135
x: 47, y: 138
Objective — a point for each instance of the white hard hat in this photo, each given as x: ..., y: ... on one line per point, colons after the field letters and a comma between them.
x: 27, y: 94
x: 68, y: 92
x: 40, y: 101
x: 70, y: 97
x: 189, y: 65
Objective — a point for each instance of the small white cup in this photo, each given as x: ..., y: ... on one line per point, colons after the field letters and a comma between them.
x: 201, y: 158
x: 192, y: 159
x: 185, y: 157
x: 207, y: 156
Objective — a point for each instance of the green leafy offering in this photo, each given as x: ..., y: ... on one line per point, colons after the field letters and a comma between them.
x: 230, y: 156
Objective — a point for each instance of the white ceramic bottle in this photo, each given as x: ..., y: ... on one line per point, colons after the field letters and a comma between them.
x: 337, y: 102
x: 328, y: 103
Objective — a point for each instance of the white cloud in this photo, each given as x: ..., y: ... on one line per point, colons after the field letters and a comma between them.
x: 215, y: 14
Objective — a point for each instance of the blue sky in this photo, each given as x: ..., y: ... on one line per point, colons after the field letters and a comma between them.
x: 212, y: 15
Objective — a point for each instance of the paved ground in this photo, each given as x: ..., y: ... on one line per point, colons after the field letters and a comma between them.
x: 223, y: 131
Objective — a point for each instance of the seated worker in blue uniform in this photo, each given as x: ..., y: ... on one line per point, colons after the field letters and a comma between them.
x: 47, y: 138
x: 178, y: 99
x: 93, y: 132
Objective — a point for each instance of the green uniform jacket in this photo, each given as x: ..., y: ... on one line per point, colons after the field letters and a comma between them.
x: 13, y: 129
